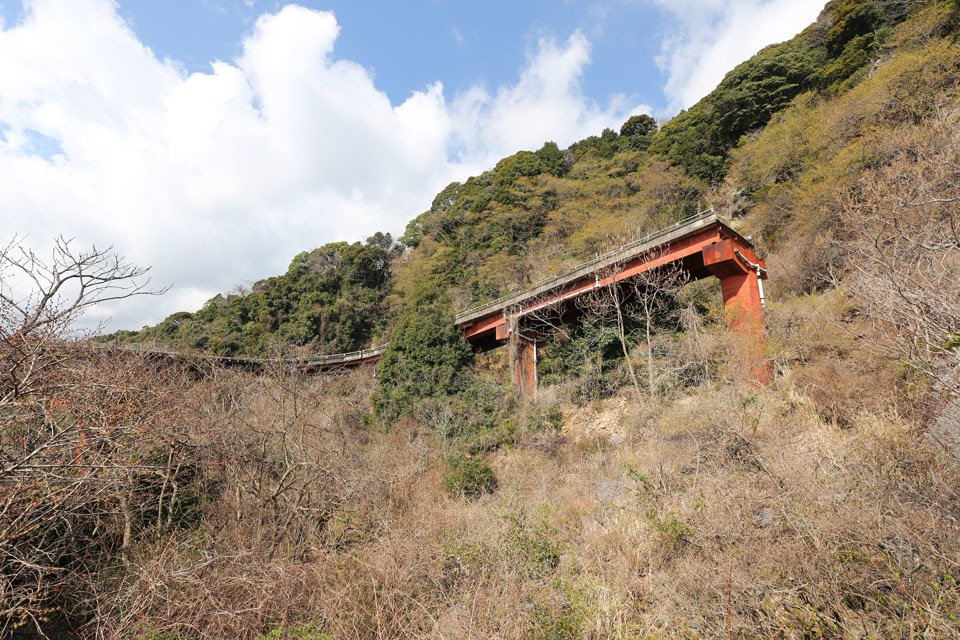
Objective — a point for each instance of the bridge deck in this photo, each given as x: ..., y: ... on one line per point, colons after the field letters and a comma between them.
x: 626, y: 252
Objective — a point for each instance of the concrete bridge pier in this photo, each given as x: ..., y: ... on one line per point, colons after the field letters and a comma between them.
x: 741, y: 282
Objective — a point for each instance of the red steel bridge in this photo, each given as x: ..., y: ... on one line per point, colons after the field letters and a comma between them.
x: 702, y: 246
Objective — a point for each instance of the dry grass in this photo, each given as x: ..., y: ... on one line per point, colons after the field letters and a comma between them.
x: 725, y: 510
x: 809, y: 509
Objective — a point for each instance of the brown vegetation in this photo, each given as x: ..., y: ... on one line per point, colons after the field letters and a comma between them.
x: 766, y: 513
x: 147, y: 500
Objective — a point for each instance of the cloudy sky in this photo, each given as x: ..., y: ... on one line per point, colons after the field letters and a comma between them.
x: 215, y: 139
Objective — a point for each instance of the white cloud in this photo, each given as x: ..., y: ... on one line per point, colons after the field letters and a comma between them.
x: 716, y: 35
x: 221, y: 177
x: 546, y: 104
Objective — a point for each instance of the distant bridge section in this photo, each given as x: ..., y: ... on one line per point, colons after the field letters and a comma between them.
x: 311, y: 364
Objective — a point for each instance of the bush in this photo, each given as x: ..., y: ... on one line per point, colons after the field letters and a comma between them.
x: 469, y: 479
x: 304, y: 632
x: 673, y: 532
x: 543, y: 418
x: 427, y: 358
x: 478, y: 408
x: 533, y: 540
x: 550, y: 625
x: 484, y: 440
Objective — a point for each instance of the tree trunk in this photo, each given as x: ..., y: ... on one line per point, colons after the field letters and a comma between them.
x: 653, y: 391
x: 621, y: 333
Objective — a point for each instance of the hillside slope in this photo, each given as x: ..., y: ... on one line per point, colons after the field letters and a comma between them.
x: 152, y: 499
x: 537, y: 213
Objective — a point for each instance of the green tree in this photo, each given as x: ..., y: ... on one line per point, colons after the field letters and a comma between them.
x: 699, y: 139
x: 642, y: 125
x: 427, y: 358
x: 551, y: 159
x: 851, y: 18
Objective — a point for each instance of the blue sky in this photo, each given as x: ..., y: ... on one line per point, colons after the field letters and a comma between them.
x: 216, y: 139
x: 413, y: 43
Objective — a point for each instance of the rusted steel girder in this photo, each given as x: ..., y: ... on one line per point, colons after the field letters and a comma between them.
x: 703, y: 245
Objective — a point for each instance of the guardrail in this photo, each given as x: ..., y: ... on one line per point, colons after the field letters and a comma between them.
x: 351, y: 357
x: 562, y: 278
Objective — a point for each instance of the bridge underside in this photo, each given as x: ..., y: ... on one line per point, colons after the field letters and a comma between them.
x: 703, y: 247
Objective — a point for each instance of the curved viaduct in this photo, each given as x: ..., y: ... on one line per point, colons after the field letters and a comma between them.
x: 702, y: 245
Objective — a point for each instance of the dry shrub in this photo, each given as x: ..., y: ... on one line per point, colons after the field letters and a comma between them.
x: 104, y: 457
x: 816, y: 342
x: 291, y: 482
x: 771, y: 500
x: 841, y: 389
x: 723, y: 505
x: 902, y: 253
x: 90, y: 442
x: 803, y: 265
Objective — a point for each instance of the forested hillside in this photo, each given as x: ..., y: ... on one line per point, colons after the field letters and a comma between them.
x: 434, y: 502
x: 332, y: 298
x: 539, y: 212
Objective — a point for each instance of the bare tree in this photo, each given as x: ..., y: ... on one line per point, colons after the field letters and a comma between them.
x: 651, y: 290
x: 606, y: 305
x: 40, y: 299
x: 633, y: 305
x: 66, y: 418
x: 552, y: 318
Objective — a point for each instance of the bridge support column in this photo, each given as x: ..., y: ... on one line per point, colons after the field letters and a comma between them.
x: 523, y: 360
x: 741, y: 299
x: 743, y: 302
x: 525, y: 366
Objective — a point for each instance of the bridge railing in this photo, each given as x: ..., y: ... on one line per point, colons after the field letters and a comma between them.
x: 563, y: 278
x: 348, y: 358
